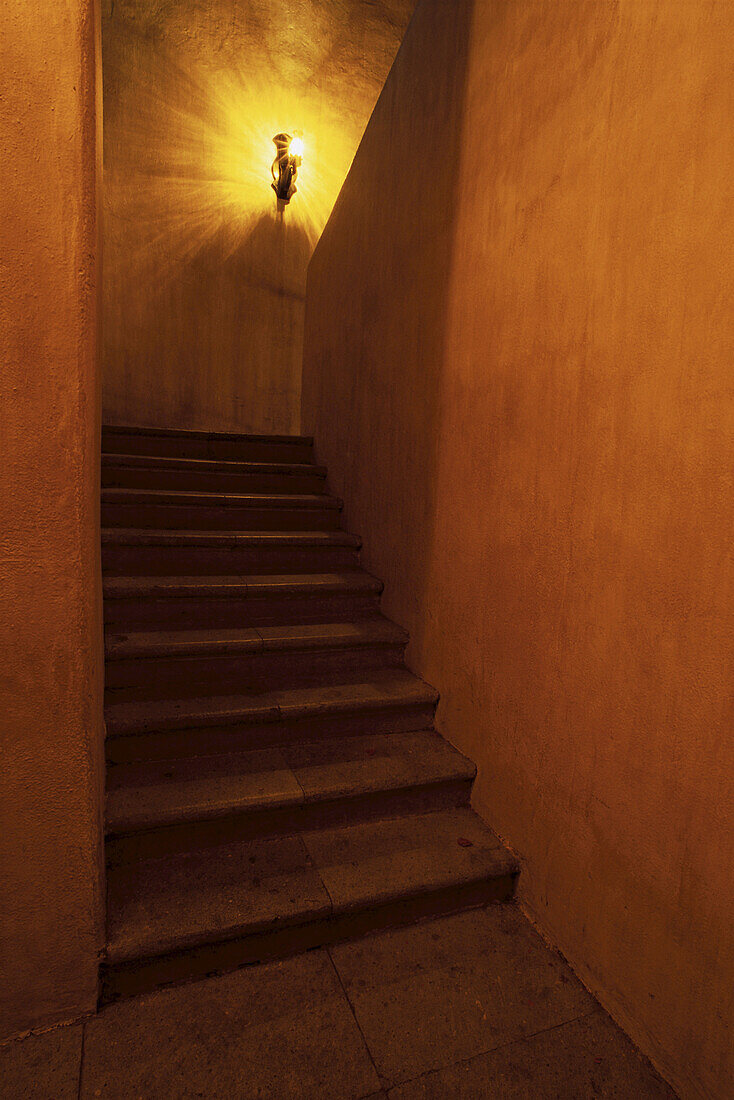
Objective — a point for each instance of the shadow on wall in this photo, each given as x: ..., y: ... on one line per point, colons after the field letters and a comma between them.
x: 204, y: 285
x: 391, y: 235
x: 222, y: 323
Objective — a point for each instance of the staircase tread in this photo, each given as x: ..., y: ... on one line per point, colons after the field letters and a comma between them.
x: 223, y: 640
x: 158, y: 906
x: 147, y: 795
x: 169, y: 791
x: 243, y: 500
x: 253, y: 585
x: 393, y: 687
x: 225, y: 465
x: 144, y: 536
x: 197, y: 433
x: 342, y: 766
x: 375, y: 862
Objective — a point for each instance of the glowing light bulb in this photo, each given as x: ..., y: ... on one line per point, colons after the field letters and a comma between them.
x: 288, y: 155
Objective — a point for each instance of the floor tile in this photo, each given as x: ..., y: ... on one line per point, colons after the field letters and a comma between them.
x: 42, y: 1067
x: 577, y: 1061
x: 282, y: 1031
x: 435, y: 993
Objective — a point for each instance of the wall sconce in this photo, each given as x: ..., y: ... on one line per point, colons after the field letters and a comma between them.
x: 288, y: 158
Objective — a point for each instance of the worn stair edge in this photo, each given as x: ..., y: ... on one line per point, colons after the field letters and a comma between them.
x: 212, y: 740
x: 214, y: 465
x: 163, y: 840
x: 195, y: 433
x: 257, y: 501
x: 392, y: 691
x: 256, y: 586
x: 142, y: 536
x: 152, y: 795
x: 252, y: 640
x: 391, y: 884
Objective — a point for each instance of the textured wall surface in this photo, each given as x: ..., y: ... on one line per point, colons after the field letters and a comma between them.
x: 204, y: 282
x: 533, y: 426
x: 50, y: 607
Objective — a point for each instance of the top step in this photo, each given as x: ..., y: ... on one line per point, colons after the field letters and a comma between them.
x: 183, y: 443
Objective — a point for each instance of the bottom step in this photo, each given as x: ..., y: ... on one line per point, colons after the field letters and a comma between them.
x: 187, y: 915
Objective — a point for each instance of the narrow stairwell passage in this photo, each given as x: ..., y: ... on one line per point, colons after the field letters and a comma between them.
x: 274, y: 779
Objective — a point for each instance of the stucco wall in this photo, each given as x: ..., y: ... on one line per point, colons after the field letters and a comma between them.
x: 533, y: 429
x: 204, y: 283
x: 50, y: 618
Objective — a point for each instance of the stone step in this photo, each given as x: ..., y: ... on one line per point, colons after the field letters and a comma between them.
x: 159, y: 472
x: 163, y: 806
x: 219, y: 511
x: 187, y: 914
x: 386, y: 701
x: 178, y: 663
x: 239, y: 600
x: 180, y: 443
x: 127, y: 550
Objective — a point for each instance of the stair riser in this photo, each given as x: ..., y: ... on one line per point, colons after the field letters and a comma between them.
x: 120, y: 442
x: 190, y: 613
x: 185, y: 677
x: 160, y: 561
x: 130, y: 477
x: 211, y: 740
x: 128, y: 980
x: 203, y: 518
x: 192, y: 836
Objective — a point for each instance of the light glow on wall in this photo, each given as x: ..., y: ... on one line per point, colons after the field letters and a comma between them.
x: 204, y: 277
x: 193, y: 158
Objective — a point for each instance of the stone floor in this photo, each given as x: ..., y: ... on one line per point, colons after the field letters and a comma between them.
x: 472, y: 1005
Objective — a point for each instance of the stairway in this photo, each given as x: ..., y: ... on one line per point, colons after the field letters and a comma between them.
x: 273, y: 778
